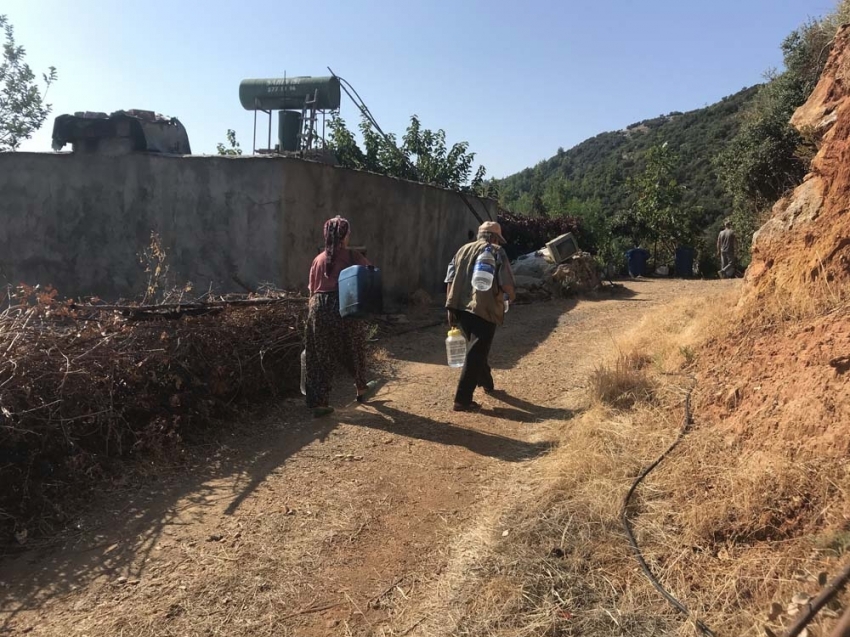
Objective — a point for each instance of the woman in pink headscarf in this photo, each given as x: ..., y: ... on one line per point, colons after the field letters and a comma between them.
x: 331, y: 338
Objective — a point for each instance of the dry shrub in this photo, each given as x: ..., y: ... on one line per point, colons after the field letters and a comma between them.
x: 526, y: 234
x: 81, y: 387
x: 792, y: 303
x: 623, y: 382
x: 673, y: 336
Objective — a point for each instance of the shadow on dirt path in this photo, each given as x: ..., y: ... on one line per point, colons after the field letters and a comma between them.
x: 119, y: 539
x: 293, y: 526
x: 395, y: 421
x: 116, y: 544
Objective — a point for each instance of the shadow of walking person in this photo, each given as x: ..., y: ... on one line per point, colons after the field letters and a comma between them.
x: 522, y: 411
x: 402, y: 423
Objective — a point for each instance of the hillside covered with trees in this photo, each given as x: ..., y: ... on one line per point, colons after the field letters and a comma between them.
x: 594, y: 181
x: 595, y: 173
x: 671, y: 180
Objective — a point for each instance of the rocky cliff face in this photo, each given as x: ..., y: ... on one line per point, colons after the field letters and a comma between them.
x: 779, y: 380
x: 803, y: 252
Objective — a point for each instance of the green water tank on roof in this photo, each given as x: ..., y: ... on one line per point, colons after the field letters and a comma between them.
x: 289, y: 93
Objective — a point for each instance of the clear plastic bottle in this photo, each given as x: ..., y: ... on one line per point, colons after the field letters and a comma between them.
x: 304, y: 372
x: 484, y: 271
x: 456, y: 348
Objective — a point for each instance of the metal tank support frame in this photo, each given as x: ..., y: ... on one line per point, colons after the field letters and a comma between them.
x: 254, y: 142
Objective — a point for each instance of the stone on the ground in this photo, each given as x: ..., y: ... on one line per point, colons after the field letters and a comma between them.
x: 535, y: 265
x: 528, y: 282
x: 538, y: 278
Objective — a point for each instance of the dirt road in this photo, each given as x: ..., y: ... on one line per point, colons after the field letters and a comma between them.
x: 330, y: 527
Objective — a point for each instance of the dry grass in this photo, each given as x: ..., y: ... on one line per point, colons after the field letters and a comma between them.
x: 783, y: 306
x: 737, y: 530
x: 781, y: 301
x: 727, y: 530
x: 672, y: 336
x: 566, y: 568
x: 623, y: 382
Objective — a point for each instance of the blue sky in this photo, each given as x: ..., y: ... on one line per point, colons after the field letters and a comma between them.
x: 515, y: 79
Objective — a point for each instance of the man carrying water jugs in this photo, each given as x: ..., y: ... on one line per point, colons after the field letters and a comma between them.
x: 480, y: 284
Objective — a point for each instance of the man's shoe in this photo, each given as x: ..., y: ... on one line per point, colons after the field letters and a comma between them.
x: 471, y: 406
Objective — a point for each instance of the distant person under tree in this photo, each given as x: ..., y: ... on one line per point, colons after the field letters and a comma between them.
x: 727, y: 247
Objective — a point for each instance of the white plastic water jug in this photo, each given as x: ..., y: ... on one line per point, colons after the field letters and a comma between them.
x: 484, y: 271
x: 304, y: 372
x: 456, y: 348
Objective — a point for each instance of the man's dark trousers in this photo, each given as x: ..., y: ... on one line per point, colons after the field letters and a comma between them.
x: 476, y: 370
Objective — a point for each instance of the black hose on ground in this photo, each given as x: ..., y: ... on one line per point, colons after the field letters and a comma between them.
x: 686, y: 424
x: 815, y: 605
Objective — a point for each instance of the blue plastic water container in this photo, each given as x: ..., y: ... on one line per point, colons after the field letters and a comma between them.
x: 636, y: 259
x: 684, y: 261
x: 360, y: 292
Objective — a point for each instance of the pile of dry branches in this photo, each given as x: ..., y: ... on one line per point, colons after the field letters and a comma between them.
x: 83, y: 384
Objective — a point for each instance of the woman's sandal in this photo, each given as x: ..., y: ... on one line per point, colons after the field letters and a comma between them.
x: 320, y: 412
x: 371, y: 388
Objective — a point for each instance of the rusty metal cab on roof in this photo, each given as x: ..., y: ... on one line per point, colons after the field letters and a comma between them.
x: 121, y: 132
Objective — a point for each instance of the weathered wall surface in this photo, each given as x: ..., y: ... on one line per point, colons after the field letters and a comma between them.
x: 78, y: 222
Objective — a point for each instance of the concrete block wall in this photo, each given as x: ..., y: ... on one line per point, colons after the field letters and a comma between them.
x: 78, y: 222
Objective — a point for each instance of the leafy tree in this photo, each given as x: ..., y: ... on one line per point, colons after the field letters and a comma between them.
x: 22, y: 107
x: 232, y: 149
x: 487, y: 188
x: 344, y: 145
x: 423, y: 155
x: 557, y: 194
x: 538, y: 208
x: 591, y: 180
x: 659, y: 211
